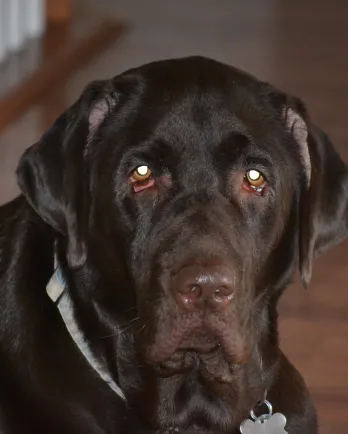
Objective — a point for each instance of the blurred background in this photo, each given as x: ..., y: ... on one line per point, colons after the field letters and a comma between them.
x: 50, y: 49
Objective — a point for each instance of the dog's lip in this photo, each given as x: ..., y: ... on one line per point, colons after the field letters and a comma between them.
x: 197, y: 343
x: 200, y: 347
x: 199, y: 351
x: 184, y: 360
x: 173, y: 351
x: 179, y: 362
x: 197, y: 336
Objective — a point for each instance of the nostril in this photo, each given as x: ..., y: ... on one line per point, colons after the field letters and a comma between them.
x: 190, y: 292
x: 224, y: 291
x: 223, y: 295
x: 189, y: 289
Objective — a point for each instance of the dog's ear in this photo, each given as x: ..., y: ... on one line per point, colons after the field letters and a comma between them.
x: 52, y: 173
x: 324, y: 201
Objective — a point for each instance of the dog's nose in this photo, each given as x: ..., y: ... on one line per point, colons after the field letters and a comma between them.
x: 196, y: 287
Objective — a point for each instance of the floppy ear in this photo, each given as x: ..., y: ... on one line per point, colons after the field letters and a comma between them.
x: 52, y: 173
x: 324, y: 204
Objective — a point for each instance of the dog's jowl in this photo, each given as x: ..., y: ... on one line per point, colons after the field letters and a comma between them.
x: 160, y: 219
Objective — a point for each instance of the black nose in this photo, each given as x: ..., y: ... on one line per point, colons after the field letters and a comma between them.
x: 196, y: 287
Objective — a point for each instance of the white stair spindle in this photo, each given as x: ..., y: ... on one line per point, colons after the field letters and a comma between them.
x: 3, y: 44
x: 35, y: 18
x: 15, y: 18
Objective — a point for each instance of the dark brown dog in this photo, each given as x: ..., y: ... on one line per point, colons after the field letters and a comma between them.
x: 177, y: 200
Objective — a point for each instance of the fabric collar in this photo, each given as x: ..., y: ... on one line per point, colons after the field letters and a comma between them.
x: 58, y: 293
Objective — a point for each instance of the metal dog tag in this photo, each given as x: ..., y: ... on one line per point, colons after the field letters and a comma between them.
x: 264, y: 424
x: 272, y: 425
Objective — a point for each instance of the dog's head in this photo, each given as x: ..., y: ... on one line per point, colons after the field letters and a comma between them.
x: 188, y: 192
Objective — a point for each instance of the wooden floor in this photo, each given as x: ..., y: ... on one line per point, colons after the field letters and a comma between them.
x: 301, y: 46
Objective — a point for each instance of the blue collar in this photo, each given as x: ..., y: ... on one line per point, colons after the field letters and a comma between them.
x: 58, y: 292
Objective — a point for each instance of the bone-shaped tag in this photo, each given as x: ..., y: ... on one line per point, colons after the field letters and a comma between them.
x: 272, y: 425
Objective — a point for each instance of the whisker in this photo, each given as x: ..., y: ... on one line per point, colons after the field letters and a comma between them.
x: 122, y: 330
x: 132, y: 320
x: 130, y: 309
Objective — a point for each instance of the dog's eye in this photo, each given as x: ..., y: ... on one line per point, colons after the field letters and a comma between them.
x: 142, y: 178
x: 255, y: 180
x: 141, y: 173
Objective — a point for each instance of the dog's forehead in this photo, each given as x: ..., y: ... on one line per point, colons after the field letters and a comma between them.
x: 192, y: 105
x: 199, y: 122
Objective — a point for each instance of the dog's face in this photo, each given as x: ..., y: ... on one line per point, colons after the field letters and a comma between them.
x: 192, y: 191
x: 204, y: 178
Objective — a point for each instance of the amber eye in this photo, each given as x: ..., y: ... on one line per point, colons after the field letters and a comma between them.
x: 255, y: 178
x: 142, y: 179
x: 141, y: 174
